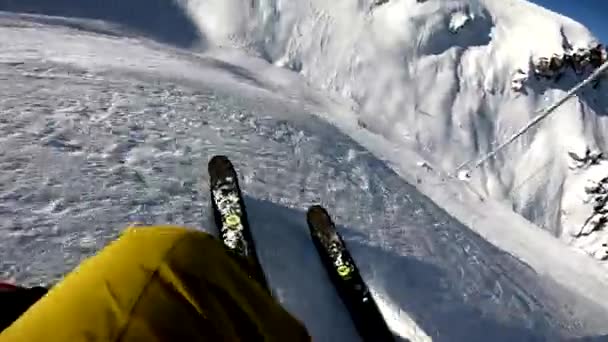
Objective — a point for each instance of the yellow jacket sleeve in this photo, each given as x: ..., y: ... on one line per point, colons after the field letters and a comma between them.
x: 159, y: 283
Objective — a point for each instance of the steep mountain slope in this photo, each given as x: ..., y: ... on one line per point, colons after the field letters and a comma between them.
x: 450, y: 79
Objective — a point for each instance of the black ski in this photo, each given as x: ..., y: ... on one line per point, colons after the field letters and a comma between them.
x: 231, y: 216
x: 346, y: 277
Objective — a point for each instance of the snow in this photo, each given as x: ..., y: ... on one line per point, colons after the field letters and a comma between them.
x: 476, y: 59
x: 365, y: 108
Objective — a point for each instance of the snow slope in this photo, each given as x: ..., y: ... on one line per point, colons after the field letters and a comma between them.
x: 436, y: 76
x: 104, y: 129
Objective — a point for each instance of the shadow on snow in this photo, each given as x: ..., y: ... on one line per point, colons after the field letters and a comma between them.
x: 161, y: 20
x: 419, y: 288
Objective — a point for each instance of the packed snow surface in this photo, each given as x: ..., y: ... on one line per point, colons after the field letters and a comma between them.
x: 364, y: 107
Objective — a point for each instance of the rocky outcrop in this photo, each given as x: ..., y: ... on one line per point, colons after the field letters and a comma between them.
x: 582, y: 62
x: 585, y: 203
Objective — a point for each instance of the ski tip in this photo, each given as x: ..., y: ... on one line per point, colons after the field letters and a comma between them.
x: 316, y: 208
x: 218, y: 158
x: 219, y: 162
x: 318, y: 215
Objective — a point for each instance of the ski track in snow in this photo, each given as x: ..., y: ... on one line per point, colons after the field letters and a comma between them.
x: 86, y: 152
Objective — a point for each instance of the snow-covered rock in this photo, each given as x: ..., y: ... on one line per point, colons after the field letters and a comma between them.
x: 584, y: 205
x: 582, y: 62
x: 458, y: 20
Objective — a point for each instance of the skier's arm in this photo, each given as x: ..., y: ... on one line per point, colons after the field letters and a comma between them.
x: 158, y: 284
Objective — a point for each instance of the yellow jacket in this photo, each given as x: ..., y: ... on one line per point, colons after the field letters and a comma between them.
x: 160, y: 283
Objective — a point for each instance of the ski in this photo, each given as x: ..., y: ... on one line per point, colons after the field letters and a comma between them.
x: 345, y: 276
x: 230, y: 215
